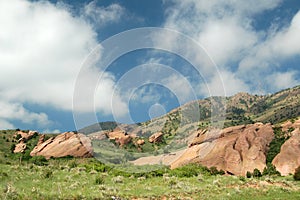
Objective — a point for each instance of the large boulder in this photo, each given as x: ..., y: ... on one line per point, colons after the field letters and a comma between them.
x: 156, y: 137
x: 65, y: 144
x: 235, y: 150
x: 289, y: 157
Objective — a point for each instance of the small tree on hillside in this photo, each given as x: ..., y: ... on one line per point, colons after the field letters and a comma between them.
x: 256, y: 173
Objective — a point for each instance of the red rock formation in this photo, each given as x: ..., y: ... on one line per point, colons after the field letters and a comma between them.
x: 156, y: 137
x: 235, y: 150
x: 115, y: 134
x: 289, y: 157
x: 287, y: 125
x: 65, y: 144
x: 20, y: 147
x: 140, y: 142
x: 41, y: 140
x: 25, y: 135
x: 121, y: 141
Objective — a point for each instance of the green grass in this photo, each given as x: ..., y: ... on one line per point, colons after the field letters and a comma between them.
x: 70, y: 178
x: 61, y: 179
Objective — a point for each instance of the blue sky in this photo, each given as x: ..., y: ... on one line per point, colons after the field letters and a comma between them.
x: 251, y: 47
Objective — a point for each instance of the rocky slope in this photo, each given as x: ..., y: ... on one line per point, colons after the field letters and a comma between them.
x: 235, y: 150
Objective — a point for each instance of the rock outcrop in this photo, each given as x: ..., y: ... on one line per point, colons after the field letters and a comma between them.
x: 24, y: 135
x: 140, y: 142
x: 156, y: 137
x: 65, y: 144
x: 289, y: 157
x: 235, y: 150
x: 20, y: 147
x: 121, y: 137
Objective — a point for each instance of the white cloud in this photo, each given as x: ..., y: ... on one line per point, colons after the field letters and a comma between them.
x: 4, y: 124
x: 102, y: 15
x: 16, y: 111
x: 42, y: 48
x: 225, y: 29
x: 181, y: 87
x: 228, y: 82
x: 282, y: 45
x: 280, y: 80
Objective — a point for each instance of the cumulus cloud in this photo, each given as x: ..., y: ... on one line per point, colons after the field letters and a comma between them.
x: 100, y: 15
x: 281, y: 45
x: 244, y: 55
x: 42, y: 48
x: 281, y: 80
x: 16, y: 111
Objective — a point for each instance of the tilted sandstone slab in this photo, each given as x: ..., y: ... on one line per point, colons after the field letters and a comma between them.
x: 65, y: 144
x: 289, y: 157
x: 235, y: 150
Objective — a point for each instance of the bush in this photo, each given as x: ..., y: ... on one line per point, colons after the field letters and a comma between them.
x: 99, y: 180
x: 47, y: 174
x: 256, y: 173
x: 18, y: 137
x: 73, y: 164
x: 297, y: 174
x: 12, y: 147
x: 270, y: 170
x: 275, y: 145
x: 39, y: 160
x: 248, y: 174
x: 215, y: 171
x: 190, y: 171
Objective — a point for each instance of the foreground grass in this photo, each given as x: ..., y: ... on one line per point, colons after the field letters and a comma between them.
x: 75, y: 179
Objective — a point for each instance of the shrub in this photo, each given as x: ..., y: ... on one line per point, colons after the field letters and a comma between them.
x: 215, y: 171
x: 242, y: 178
x: 270, y: 170
x: 190, y: 170
x: 47, y: 174
x: 276, y: 143
x: 99, y: 180
x: 256, y: 173
x: 12, y: 147
x: 248, y: 174
x: 297, y: 174
x: 18, y: 137
x: 39, y: 160
x: 73, y: 164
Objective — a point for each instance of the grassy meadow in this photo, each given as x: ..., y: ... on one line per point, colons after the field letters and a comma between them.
x: 25, y: 177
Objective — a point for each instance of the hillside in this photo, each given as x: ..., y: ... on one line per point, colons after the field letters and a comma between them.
x: 242, y: 108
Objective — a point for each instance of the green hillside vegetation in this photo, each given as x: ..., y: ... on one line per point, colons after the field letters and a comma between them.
x: 101, y: 126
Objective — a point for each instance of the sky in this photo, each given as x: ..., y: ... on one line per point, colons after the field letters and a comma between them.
x: 57, y: 73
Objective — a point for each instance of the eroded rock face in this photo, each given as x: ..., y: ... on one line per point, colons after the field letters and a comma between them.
x: 20, y: 147
x: 235, y: 150
x: 121, y: 137
x: 121, y: 141
x: 287, y: 125
x: 25, y: 135
x: 289, y: 157
x: 65, y: 144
